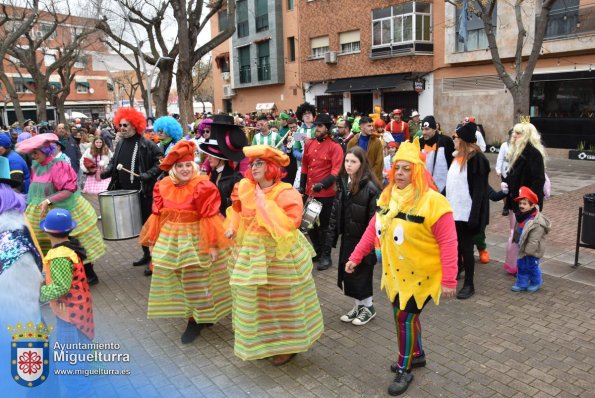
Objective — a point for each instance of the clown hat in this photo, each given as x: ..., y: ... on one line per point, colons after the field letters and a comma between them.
x: 36, y: 142
x: 183, y: 151
x: 57, y: 221
x: 267, y: 152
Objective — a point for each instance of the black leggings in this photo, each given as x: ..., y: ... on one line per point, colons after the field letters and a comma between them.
x: 465, y: 248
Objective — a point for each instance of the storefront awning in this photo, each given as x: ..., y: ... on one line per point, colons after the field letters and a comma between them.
x: 56, y: 85
x: 110, y: 87
x: 369, y: 83
x: 265, y: 106
x: 83, y: 84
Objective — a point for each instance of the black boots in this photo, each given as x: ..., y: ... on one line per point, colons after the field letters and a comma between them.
x: 147, y: 270
x: 92, y: 278
x: 325, y: 259
x: 146, y: 259
x: 466, y: 292
x: 192, y: 331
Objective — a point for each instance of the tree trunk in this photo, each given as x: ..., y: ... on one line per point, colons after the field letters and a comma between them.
x: 61, y: 110
x: 520, y: 100
x: 161, y: 93
x: 40, y: 103
x: 14, y: 98
x: 185, y: 64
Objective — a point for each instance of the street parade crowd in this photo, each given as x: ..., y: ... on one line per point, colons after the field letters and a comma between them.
x: 236, y: 210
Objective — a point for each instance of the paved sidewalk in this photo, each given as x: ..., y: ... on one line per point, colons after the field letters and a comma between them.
x: 496, y: 344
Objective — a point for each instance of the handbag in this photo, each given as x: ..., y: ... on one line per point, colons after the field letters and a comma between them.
x: 90, y: 166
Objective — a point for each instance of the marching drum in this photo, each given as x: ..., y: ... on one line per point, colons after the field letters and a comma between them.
x: 120, y: 214
x: 312, y: 210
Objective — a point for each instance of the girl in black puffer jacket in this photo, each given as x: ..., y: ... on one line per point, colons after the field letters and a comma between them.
x: 354, y: 207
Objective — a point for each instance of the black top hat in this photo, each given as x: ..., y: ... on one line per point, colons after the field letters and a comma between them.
x: 230, y: 138
x: 212, y: 149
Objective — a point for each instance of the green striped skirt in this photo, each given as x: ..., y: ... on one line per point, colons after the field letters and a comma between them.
x: 86, y: 230
x: 186, y: 283
x: 279, y: 312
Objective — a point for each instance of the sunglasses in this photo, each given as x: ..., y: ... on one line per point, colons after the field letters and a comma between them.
x: 123, y: 124
x: 257, y: 163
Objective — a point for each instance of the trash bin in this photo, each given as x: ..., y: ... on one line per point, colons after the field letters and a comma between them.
x: 588, y: 233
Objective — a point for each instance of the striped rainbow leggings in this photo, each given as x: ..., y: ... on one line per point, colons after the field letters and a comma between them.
x: 408, y: 332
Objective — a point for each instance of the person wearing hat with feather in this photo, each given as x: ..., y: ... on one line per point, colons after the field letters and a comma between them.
x: 189, y: 254
x: 276, y: 309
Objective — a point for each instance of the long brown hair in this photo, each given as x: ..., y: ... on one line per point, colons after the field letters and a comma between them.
x: 466, y: 150
x: 99, y: 152
x: 362, y: 173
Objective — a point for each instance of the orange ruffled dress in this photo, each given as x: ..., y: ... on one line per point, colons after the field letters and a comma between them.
x: 276, y: 307
x: 184, y: 225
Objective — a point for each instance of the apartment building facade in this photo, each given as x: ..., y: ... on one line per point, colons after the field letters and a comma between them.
x: 91, y: 92
x: 360, y: 54
x: 562, y: 97
x: 258, y: 68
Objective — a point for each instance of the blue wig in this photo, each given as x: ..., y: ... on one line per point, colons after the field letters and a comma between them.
x: 169, y: 126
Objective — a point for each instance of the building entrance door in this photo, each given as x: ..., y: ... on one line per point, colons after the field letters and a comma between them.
x: 362, y: 103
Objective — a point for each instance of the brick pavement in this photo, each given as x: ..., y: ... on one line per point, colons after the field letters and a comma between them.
x: 496, y: 344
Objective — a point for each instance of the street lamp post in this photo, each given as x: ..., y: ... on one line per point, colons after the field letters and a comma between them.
x: 150, y: 81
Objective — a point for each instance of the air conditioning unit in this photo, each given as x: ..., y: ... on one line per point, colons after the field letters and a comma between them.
x: 330, y: 57
x: 225, y: 76
x: 228, y: 91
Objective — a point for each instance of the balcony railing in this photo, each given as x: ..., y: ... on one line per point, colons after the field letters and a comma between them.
x: 245, y: 74
x: 570, y: 22
x: 264, y: 72
x: 401, y: 50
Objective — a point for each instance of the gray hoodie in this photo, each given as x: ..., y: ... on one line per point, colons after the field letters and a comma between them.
x: 532, y: 242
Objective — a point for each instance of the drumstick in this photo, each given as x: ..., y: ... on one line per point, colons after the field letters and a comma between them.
x: 120, y: 167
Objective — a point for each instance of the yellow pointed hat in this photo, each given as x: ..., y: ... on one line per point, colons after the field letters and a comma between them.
x: 410, y: 152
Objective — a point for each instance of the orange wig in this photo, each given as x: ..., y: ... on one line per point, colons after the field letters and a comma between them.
x: 133, y: 116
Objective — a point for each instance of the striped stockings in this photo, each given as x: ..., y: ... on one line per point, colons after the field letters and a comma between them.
x: 408, y: 333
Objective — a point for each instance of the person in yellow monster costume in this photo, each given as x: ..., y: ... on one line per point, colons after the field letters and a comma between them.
x: 418, y: 246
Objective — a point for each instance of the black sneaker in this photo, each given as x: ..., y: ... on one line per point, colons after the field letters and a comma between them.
x: 416, y: 362
x: 351, y: 315
x: 325, y: 263
x: 400, y: 383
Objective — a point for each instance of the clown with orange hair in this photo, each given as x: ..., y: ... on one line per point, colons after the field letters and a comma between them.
x: 415, y: 229
x: 276, y: 308
x: 139, y: 159
x: 190, y: 254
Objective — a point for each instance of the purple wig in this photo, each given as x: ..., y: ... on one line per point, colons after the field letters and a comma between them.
x: 11, y: 200
x: 23, y: 137
x: 205, y: 123
x: 48, y: 150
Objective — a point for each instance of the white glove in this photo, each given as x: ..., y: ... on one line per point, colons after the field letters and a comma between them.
x: 504, y: 187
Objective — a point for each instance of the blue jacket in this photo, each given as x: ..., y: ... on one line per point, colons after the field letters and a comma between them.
x: 18, y: 166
